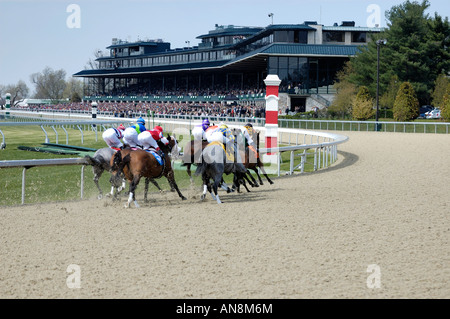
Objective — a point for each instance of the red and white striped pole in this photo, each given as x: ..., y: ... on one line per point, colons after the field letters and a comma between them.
x: 272, y: 86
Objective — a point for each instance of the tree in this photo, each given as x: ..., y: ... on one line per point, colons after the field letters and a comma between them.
x: 73, y: 90
x: 440, y: 88
x: 18, y: 91
x: 362, y: 105
x: 417, y: 51
x: 49, y: 84
x: 445, y: 104
x: 406, y: 105
x: 345, y: 91
x: 388, y: 98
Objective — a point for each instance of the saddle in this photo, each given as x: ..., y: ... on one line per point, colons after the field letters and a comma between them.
x: 228, y: 152
x: 159, y: 158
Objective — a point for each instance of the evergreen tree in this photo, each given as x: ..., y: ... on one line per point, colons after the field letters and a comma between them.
x: 417, y: 51
x: 388, y: 98
x: 345, y: 91
x: 362, y: 105
x: 406, y: 105
x: 440, y: 88
x: 445, y: 105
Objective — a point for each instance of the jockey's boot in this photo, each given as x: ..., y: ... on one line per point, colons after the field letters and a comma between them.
x: 160, y: 153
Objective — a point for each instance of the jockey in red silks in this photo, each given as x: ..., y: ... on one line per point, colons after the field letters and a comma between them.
x: 149, y: 139
x: 112, y: 137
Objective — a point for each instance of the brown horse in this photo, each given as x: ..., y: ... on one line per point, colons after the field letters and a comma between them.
x: 252, y: 161
x: 134, y: 165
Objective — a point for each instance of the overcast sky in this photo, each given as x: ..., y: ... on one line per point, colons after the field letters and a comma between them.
x: 66, y: 34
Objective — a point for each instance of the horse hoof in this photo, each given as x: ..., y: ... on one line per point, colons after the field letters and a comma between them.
x: 183, y: 198
x: 100, y: 196
x: 203, y: 197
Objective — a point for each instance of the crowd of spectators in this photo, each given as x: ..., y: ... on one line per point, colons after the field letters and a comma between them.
x: 130, y: 109
x: 226, y: 108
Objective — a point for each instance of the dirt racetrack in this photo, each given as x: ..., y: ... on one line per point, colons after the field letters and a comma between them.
x: 385, y: 202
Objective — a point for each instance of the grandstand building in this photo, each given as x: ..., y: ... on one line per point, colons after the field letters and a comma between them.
x: 230, y: 64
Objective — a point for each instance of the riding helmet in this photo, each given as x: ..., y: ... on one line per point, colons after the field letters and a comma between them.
x: 205, y: 124
x: 140, y: 121
x: 158, y: 128
x: 248, y: 125
x: 121, y: 127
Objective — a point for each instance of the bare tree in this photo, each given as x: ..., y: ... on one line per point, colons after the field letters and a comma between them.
x: 49, y: 84
x: 18, y: 91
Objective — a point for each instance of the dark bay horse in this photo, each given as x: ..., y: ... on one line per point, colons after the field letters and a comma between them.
x: 213, y: 165
x: 133, y: 165
x: 100, y: 162
x: 252, y: 161
x: 192, y: 156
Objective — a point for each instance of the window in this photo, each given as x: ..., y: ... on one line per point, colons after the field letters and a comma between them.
x: 333, y: 36
x: 360, y: 37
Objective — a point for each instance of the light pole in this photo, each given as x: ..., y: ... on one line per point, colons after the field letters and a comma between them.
x: 271, y: 16
x: 379, y: 43
x: 188, y: 43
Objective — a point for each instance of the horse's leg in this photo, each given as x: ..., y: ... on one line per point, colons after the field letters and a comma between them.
x: 188, y: 170
x: 253, y: 183
x: 147, y: 180
x: 171, y: 178
x: 217, y: 180
x: 265, y: 174
x: 156, y: 185
x: 226, y: 187
x: 131, y: 197
x: 206, y: 186
x: 255, y: 169
x: 97, y: 174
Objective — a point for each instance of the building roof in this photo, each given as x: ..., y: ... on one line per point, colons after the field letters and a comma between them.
x: 243, y: 61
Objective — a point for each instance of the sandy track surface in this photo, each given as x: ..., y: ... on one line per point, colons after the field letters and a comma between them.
x: 384, y: 203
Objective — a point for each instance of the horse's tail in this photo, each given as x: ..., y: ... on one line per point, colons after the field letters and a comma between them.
x: 201, y: 167
x: 92, y: 161
x: 117, y: 161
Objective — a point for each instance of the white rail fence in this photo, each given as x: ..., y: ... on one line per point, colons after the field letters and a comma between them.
x: 318, y: 147
x: 27, y: 164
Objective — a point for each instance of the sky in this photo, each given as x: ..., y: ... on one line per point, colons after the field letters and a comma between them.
x: 61, y: 34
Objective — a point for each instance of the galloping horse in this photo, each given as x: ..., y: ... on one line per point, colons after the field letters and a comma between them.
x: 134, y: 165
x: 213, y: 165
x: 252, y: 161
x: 192, y: 156
x: 101, y: 161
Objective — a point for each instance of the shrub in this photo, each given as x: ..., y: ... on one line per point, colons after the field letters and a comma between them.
x: 406, y: 105
x: 362, y: 105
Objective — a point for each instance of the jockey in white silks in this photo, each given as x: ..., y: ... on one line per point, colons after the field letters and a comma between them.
x: 130, y: 135
x: 113, y: 136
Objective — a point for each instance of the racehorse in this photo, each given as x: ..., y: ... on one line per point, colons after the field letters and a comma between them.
x: 213, y: 165
x: 252, y: 161
x: 133, y: 165
x: 192, y: 156
x: 101, y: 161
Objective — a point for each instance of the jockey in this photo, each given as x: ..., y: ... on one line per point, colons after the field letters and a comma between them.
x: 223, y: 135
x: 130, y: 136
x: 248, y: 133
x: 199, y: 130
x: 149, y: 139
x: 112, y: 137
